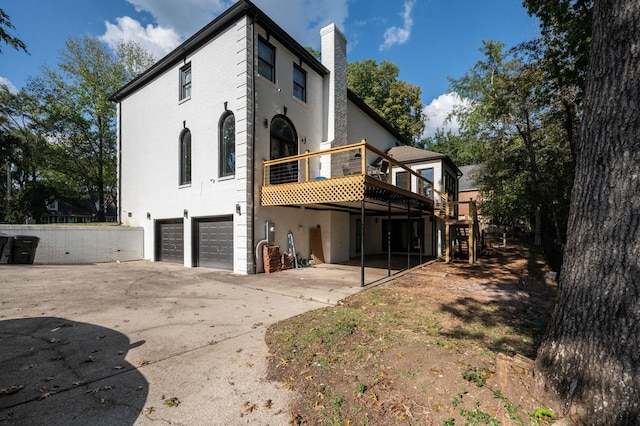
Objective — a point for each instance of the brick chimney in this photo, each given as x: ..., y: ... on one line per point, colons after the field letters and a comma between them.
x: 334, y: 57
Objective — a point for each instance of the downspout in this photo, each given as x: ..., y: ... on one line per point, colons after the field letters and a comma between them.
x: 119, y: 170
x: 253, y: 145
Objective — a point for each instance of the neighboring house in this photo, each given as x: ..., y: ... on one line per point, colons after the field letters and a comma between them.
x: 59, y: 211
x: 240, y: 138
x: 468, y: 189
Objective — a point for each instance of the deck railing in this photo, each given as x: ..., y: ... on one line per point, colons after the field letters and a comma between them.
x: 355, y: 159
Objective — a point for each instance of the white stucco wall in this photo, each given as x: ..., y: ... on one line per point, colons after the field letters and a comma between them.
x: 81, y: 244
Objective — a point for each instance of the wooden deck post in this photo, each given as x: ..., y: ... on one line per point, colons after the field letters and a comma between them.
x: 447, y: 242
x: 362, y: 216
x: 471, y: 244
x: 389, y: 236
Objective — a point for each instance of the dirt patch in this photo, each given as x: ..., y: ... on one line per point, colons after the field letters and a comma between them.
x: 442, y: 344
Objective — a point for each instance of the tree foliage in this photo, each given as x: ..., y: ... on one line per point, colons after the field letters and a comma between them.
x: 26, y: 155
x: 134, y: 58
x: 526, y: 167
x: 5, y: 27
x: 463, y: 148
x: 74, y: 111
x: 62, y: 129
x: 521, y: 121
x: 395, y: 100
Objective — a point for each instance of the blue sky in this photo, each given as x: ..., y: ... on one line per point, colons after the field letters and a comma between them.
x: 430, y: 40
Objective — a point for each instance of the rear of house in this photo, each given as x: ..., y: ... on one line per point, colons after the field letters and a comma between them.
x: 201, y: 134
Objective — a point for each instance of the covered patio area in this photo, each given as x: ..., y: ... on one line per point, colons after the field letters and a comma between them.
x: 359, y: 181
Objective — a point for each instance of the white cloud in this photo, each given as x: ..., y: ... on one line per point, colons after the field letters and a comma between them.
x: 185, y: 16
x: 303, y: 19
x: 175, y: 21
x: 395, y: 35
x: 7, y: 82
x: 157, y: 40
x: 437, y: 113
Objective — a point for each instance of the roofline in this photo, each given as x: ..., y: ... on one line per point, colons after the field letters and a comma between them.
x: 375, y: 116
x: 444, y: 157
x: 212, y: 29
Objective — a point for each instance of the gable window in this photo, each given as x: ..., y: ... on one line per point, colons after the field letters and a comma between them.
x: 299, y: 83
x: 266, y: 60
x: 227, y: 144
x: 185, y: 82
x: 185, y: 157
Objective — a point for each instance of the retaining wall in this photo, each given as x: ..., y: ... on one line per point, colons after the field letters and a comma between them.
x: 81, y: 244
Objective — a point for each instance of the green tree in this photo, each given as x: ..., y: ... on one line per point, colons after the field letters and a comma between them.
x: 527, y: 167
x: 395, y: 100
x: 134, y: 58
x: 589, y: 356
x: 561, y: 53
x: 463, y: 148
x: 5, y: 27
x: 26, y: 155
x: 74, y: 111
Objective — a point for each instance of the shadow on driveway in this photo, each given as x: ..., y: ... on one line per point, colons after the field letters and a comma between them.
x: 60, y: 372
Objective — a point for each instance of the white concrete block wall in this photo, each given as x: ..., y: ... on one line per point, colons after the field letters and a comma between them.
x: 82, y: 244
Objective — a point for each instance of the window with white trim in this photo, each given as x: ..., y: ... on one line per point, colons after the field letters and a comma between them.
x: 185, y: 157
x: 185, y: 82
x: 266, y: 60
x: 299, y: 83
x: 227, y: 144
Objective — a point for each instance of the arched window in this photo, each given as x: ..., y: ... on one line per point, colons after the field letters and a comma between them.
x: 284, y: 143
x: 227, y: 144
x: 185, y: 157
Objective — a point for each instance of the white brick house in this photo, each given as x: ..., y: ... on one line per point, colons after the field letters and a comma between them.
x: 196, y: 129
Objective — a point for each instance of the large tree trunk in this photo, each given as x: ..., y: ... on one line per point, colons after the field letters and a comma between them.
x: 591, y: 354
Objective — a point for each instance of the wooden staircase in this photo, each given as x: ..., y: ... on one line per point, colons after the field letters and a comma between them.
x: 462, y: 235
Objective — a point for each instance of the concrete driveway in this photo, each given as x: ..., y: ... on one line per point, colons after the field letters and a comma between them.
x: 149, y: 343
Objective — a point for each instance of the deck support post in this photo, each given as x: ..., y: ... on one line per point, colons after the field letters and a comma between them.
x: 471, y: 245
x: 362, y: 244
x: 409, y: 234
x: 389, y: 237
x: 447, y: 242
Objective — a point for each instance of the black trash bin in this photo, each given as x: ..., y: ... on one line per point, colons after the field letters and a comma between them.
x: 23, y: 249
x: 5, y: 247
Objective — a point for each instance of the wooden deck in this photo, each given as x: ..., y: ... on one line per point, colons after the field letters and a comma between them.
x: 359, y: 177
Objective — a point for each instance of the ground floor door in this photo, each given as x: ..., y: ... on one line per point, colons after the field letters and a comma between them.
x: 214, y: 243
x: 403, y: 234
x: 170, y: 241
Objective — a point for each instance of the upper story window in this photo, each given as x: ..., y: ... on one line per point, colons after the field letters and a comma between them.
x: 185, y: 157
x: 402, y: 180
x: 266, y: 60
x: 299, y: 83
x: 284, y: 143
x: 427, y: 174
x: 450, y: 184
x: 227, y: 144
x: 185, y: 82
